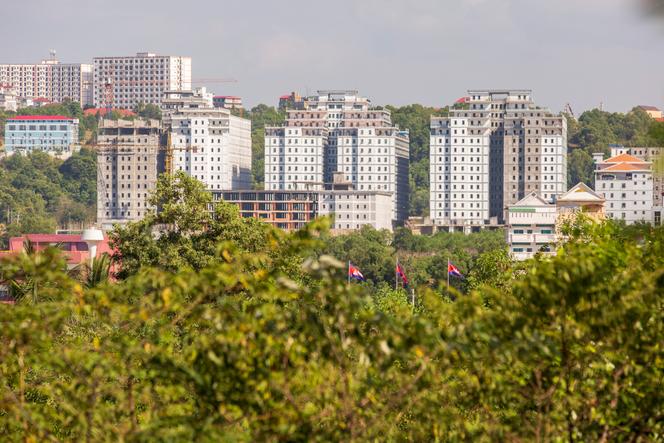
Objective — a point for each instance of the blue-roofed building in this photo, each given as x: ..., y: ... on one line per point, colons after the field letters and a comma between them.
x: 55, y: 135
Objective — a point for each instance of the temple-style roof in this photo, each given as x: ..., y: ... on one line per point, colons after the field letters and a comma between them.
x: 580, y: 193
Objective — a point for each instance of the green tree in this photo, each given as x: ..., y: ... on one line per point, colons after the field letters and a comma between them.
x: 148, y: 111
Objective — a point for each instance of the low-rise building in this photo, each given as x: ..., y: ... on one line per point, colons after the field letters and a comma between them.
x: 288, y: 210
x: 535, y: 225
x: 9, y: 99
x: 227, y: 101
x: 55, y: 135
x: 353, y: 209
x: 626, y: 183
x: 652, y: 111
x: 654, y: 155
x: 291, y: 210
x: 531, y: 227
x: 129, y: 158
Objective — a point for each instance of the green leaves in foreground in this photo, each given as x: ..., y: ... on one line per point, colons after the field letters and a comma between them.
x: 239, y: 351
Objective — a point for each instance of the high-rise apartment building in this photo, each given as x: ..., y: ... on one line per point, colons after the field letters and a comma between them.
x: 50, y: 80
x: 207, y: 143
x: 339, y: 131
x: 142, y: 78
x: 490, y: 152
x: 128, y: 162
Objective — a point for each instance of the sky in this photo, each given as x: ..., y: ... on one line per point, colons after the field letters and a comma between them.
x: 582, y: 52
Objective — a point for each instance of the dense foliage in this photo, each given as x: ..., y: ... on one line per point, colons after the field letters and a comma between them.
x: 39, y: 193
x: 242, y: 348
x: 595, y: 130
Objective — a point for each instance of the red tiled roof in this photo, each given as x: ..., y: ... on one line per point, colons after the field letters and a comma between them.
x: 661, y: 119
x: 41, y: 100
x: 624, y: 167
x: 284, y: 97
x: 40, y: 117
x: 623, y: 158
x: 462, y: 100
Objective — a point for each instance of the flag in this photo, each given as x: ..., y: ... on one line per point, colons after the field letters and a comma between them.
x: 400, y: 273
x: 452, y: 270
x: 354, y: 272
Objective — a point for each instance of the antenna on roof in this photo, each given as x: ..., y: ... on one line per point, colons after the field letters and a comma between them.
x: 52, y: 54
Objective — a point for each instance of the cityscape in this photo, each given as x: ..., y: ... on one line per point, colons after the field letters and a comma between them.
x: 183, y: 262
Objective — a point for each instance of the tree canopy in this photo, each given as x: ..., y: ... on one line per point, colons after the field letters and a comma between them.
x: 240, y: 349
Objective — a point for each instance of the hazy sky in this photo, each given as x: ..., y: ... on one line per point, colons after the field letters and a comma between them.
x: 394, y: 51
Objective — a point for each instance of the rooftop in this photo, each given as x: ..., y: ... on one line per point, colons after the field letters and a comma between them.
x: 40, y: 117
x: 624, y: 167
x: 622, y: 158
x: 649, y: 108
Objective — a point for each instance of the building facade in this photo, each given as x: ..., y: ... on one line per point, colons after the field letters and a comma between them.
x: 338, y: 131
x: 129, y: 158
x: 493, y: 149
x: 287, y: 210
x: 626, y: 182
x: 227, y: 101
x: 55, y: 135
x: 654, y: 155
x: 50, y: 80
x: 291, y: 210
x: 143, y: 78
x: 535, y: 225
x: 531, y: 227
x: 207, y: 143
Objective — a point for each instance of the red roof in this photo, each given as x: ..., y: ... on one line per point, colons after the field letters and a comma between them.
x: 284, y: 97
x: 41, y: 100
x: 462, y: 100
x: 661, y: 120
x: 623, y: 158
x: 40, y: 117
x: 225, y: 96
x: 624, y: 167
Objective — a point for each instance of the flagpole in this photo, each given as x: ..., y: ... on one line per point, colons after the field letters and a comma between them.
x: 448, y: 275
x: 396, y: 275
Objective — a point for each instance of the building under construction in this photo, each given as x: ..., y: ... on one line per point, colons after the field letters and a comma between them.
x: 130, y: 156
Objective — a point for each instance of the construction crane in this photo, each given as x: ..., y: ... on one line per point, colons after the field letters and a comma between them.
x: 568, y: 110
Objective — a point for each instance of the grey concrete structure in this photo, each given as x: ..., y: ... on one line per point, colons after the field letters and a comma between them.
x: 494, y: 148
x: 129, y: 155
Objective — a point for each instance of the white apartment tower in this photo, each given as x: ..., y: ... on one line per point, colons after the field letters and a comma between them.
x: 492, y: 150
x: 339, y: 131
x: 207, y: 143
x: 49, y: 80
x: 128, y: 162
x: 142, y: 78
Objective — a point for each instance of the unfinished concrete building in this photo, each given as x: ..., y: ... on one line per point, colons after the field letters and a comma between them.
x: 129, y: 155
